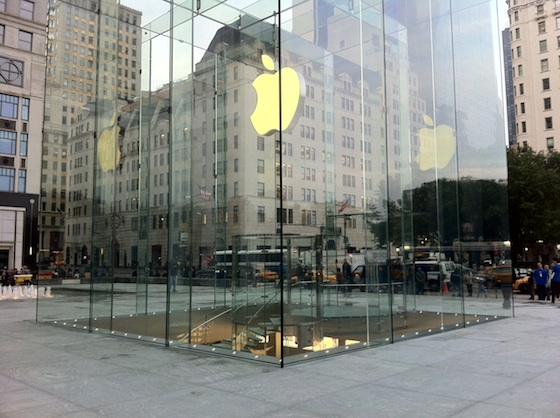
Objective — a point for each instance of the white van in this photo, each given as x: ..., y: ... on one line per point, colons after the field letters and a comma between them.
x: 437, y: 273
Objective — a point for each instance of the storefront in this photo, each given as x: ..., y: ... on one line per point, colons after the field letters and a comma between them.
x: 259, y: 179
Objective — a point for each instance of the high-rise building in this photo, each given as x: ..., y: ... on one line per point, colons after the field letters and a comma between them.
x: 91, y: 45
x: 22, y: 90
x: 534, y: 38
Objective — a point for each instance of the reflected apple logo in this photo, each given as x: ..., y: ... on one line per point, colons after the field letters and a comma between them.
x: 266, y: 116
x: 437, y: 146
x: 108, y: 153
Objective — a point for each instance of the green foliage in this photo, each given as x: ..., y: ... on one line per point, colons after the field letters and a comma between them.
x: 534, y: 197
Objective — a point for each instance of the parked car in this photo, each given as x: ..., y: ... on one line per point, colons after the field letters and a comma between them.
x: 438, y: 273
x: 377, y: 279
x: 521, y: 285
x: 328, y: 276
x: 502, y: 274
x: 267, y: 275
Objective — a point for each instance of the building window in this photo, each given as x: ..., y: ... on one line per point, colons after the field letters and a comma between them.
x: 235, y: 214
x: 520, y: 70
x: 523, y: 127
x: 547, y: 103
x: 2, y: 29
x: 21, y: 181
x: 517, y: 33
x: 2, y: 5
x: 260, y: 213
x: 26, y: 9
x: 548, y: 122
x: 544, y: 65
x: 542, y: 26
x: 550, y: 143
x: 542, y: 46
x: 557, y: 22
x: 260, y: 166
x: 518, y: 49
x: 521, y: 88
x: 540, y: 9
x: 25, y: 108
x: 546, y: 84
x: 522, y: 105
x: 8, y: 142
x: 7, y: 177
x: 260, y: 143
x: 25, y: 40
x: 260, y: 189
x: 9, y: 106
x: 23, y: 145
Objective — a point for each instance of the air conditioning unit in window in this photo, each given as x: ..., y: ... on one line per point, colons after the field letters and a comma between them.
x: 8, y: 124
x: 7, y: 161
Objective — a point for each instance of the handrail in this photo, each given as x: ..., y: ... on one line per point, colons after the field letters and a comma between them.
x: 204, y: 323
x: 183, y: 339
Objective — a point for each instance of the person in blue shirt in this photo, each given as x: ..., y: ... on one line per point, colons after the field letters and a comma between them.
x: 540, y: 277
x: 555, y: 281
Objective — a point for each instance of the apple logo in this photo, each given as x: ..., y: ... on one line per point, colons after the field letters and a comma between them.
x: 266, y: 116
x: 108, y: 153
x: 437, y: 146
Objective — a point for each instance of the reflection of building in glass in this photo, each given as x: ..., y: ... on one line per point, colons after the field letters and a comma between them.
x: 510, y: 98
x: 22, y: 39
x: 89, y: 46
x: 375, y: 164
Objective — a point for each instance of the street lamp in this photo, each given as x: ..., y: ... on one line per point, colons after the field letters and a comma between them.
x: 32, y: 202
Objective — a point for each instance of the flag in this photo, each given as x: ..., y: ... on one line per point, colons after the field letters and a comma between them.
x: 345, y: 203
x: 204, y: 195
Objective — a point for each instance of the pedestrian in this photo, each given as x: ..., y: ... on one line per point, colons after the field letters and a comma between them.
x: 420, y: 280
x: 300, y: 273
x: 173, y: 277
x: 531, y: 284
x: 547, y: 268
x: 481, y: 280
x: 540, y: 276
x: 469, y: 282
x: 347, y: 273
x: 555, y: 280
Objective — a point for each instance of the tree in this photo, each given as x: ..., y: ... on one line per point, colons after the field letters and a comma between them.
x: 440, y: 212
x: 534, y: 198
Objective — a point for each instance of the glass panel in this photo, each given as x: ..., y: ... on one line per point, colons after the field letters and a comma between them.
x: 274, y: 185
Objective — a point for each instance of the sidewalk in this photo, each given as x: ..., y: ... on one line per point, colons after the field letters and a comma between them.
x: 506, y: 368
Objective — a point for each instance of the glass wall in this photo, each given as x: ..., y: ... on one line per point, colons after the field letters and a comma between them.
x: 276, y: 184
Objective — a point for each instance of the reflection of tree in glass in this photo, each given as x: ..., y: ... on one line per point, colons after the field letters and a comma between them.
x: 467, y: 209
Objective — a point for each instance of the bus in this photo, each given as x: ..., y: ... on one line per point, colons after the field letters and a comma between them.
x: 264, y: 262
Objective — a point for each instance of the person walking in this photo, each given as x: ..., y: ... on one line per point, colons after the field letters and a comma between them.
x: 555, y: 280
x: 173, y: 271
x: 531, y: 284
x: 481, y: 280
x: 420, y: 281
x: 547, y: 292
x: 540, y: 276
x: 347, y: 273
